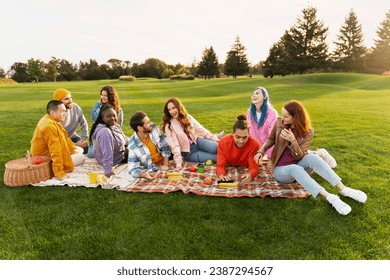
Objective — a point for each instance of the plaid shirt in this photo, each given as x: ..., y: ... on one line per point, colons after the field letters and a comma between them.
x: 139, y: 155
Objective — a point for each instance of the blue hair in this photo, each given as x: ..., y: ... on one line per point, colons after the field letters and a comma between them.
x: 263, y: 108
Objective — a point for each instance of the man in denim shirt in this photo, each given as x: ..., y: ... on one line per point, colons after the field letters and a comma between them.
x: 147, y: 147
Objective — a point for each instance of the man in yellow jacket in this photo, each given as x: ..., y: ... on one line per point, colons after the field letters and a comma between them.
x: 51, y: 139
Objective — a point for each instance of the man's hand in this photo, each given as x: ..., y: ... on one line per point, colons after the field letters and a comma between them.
x: 223, y: 178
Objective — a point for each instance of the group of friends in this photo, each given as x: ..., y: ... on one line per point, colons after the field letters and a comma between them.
x: 260, y: 134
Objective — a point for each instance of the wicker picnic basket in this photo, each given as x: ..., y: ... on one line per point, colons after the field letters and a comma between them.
x: 23, y: 171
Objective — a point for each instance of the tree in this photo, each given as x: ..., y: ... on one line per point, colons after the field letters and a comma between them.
x: 115, y: 68
x: 66, y: 70
x: 278, y: 62
x: 350, y: 51
x: 236, y: 62
x: 152, y: 67
x: 167, y: 73
x: 307, y: 49
x: 180, y: 69
x: 35, y: 68
x: 126, y: 67
x: 52, y: 68
x: 19, y: 72
x: 91, y: 70
x: 379, y: 59
x: 2, y: 73
x: 208, y: 66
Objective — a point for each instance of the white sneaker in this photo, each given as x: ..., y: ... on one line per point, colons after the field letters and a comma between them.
x: 357, y: 195
x: 340, y: 206
x: 327, y: 158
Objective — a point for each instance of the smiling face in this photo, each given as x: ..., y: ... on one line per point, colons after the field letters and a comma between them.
x: 59, y: 114
x: 146, y: 125
x: 109, y: 117
x: 104, y: 97
x: 257, y: 98
x: 173, y: 111
x: 68, y: 101
x: 240, y: 137
x: 287, y: 119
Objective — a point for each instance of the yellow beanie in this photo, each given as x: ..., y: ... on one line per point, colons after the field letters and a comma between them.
x: 60, y: 94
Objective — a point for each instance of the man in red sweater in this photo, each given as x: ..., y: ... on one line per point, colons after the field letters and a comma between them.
x: 238, y: 149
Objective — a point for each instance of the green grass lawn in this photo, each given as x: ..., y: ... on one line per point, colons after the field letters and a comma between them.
x: 351, y: 118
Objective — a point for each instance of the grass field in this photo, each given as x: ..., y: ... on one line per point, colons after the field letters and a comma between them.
x: 351, y: 118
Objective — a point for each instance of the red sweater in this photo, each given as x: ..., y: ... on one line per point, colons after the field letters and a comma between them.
x: 230, y: 154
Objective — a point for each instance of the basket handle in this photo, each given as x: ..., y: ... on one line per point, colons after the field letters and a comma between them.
x: 28, y: 159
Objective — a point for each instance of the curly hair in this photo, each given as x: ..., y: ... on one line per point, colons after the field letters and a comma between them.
x: 113, y: 98
x: 241, y: 123
x: 100, y: 120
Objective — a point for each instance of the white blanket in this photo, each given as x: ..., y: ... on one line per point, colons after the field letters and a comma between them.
x: 80, y: 177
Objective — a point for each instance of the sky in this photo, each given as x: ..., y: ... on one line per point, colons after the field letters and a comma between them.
x: 174, y: 31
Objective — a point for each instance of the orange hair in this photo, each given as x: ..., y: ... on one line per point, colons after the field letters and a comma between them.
x: 302, y: 122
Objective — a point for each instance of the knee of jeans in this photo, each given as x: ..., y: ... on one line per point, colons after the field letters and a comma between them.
x: 312, y: 156
x: 296, y: 169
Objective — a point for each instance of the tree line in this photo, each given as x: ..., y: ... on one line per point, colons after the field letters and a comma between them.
x: 301, y: 49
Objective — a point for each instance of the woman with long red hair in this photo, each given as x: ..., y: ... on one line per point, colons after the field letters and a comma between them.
x: 291, y: 137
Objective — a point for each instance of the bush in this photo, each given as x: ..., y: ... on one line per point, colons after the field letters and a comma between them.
x: 6, y: 81
x: 127, y: 78
x: 182, y: 77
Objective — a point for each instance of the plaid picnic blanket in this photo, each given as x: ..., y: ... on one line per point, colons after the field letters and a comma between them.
x: 193, y: 182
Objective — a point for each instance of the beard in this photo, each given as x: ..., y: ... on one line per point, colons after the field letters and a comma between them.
x: 69, y: 106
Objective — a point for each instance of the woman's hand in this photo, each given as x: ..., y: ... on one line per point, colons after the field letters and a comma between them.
x: 110, y: 174
x: 258, y: 158
x: 288, y: 135
x: 246, y: 178
x: 164, y: 167
x: 178, y: 167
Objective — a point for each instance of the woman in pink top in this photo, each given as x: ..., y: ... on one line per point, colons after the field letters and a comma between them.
x: 182, y: 132
x: 262, y: 116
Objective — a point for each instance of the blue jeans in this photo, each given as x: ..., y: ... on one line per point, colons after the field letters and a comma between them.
x: 202, y: 151
x: 296, y: 172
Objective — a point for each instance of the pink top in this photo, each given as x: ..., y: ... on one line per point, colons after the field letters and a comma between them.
x: 262, y: 133
x: 178, y: 140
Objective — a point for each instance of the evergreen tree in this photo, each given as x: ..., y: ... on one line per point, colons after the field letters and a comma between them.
x: 208, y: 66
x: 307, y: 50
x: 275, y: 64
x: 350, y: 51
x: 236, y: 62
x: 379, y: 60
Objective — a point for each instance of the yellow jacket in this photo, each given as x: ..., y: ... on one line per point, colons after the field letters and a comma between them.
x: 51, y: 139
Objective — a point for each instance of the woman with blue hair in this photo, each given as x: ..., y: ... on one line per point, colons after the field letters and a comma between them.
x: 262, y: 119
x: 262, y: 116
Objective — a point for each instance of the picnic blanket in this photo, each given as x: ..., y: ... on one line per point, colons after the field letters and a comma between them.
x: 193, y: 182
